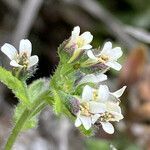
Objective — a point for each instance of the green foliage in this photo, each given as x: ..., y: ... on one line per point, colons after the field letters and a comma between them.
x: 57, y: 103
x: 17, y: 87
x: 30, y: 123
x: 38, y: 89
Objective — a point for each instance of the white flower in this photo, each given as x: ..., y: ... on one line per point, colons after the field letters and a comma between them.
x: 113, y: 113
x: 92, y: 78
x: 111, y: 110
x: 88, y: 109
x: 107, y: 56
x: 79, y: 42
x: 22, y: 58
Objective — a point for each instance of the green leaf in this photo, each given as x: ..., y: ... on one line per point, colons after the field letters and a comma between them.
x: 17, y: 87
x: 57, y: 103
x: 38, y: 88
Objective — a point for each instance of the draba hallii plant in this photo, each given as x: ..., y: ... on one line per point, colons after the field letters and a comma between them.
x: 74, y: 90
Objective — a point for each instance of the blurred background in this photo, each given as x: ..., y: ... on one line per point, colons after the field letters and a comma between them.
x: 46, y: 23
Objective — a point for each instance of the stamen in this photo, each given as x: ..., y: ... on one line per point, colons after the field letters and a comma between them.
x: 95, y: 95
x: 84, y: 107
x: 103, y: 58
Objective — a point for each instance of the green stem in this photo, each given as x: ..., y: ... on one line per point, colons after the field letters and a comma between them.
x: 16, y: 130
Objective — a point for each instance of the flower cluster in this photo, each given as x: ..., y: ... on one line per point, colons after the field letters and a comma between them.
x: 76, y: 75
x: 97, y: 105
x: 76, y: 88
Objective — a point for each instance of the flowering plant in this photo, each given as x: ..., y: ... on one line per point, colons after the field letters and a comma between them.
x: 76, y: 89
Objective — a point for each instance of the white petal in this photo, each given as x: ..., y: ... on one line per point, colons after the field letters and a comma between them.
x: 86, y: 121
x: 25, y: 47
x: 114, y: 65
x: 113, y: 107
x: 78, y: 122
x: 75, y: 33
x: 86, y: 47
x: 107, y: 47
x: 87, y: 36
x: 33, y: 60
x: 9, y: 50
x: 103, y: 93
x: 95, y: 118
x: 108, y: 127
x: 101, y: 77
x: 87, y: 93
x: 91, y: 78
x: 117, y: 116
x: 119, y: 92
x: 91, y: 55
x: 115, y: 53
x: 15, y: 64
x: 96, y: 107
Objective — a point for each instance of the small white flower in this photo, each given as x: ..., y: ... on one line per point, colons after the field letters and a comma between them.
x: 22, y: 58
x: 113, y: 113
x: 79, y: 42
x: 107, y: 56
x: 92, y: 78
x: 111, y: 110
x: 88, y: 109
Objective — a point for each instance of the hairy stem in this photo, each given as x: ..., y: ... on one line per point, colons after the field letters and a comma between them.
x: 16, y: 130
x: 19, y: 125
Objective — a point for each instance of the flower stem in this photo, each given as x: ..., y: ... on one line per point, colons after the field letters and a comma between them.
x: 19, y: 125
x: 16, y: 130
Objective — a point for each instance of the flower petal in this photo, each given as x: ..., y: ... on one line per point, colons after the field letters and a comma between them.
x: 25, y: 47
x: 107, y: 47
x: 78, y: 122
x: 15, y: 64
x: 86, y: 121
x: 119, y: 92
x: 115, y: 53
x: 87, y: 93
x: 113, y: 107
x: 114, y: 65
x: 91, y: 55
x: 33, y: 60
x: 86, y: 47
x: 103, y: 93
x: 117, y: 116
x: 87, y: 36
x: 108, y: 127
x: 75, y: 33
x: 9, y: 50
x: 96, y: 107
x: 95, y: 118
x: 91, y: 78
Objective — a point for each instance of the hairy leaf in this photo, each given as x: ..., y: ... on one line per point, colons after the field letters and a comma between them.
x: 15, y: 85
x: 38, y: 88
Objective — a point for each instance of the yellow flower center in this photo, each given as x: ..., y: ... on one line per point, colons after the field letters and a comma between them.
x: 95, y: 95
x: 103, y: 58
x: 23, y: 60
x: 80, y: 42
x: 85, y: 107
x: 107, y: 117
